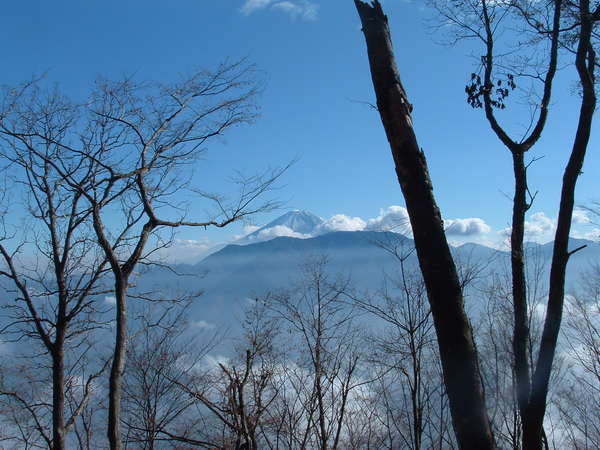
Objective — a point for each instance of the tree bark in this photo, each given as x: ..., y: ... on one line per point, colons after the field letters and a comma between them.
x: 58, y: 393
x: 455, y: 340
x: 520, y: 342
x: 118, y: 367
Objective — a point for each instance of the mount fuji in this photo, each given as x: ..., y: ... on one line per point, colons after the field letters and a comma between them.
x: 296, y: 223
x: 271, y: 257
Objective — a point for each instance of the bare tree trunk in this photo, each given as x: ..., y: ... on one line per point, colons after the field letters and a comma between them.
x: 58, y: 393
x: 455, y: 340
x: 319, y: 377
x: 585, y: 63
x: 520, y: 342
x: 118, y: 367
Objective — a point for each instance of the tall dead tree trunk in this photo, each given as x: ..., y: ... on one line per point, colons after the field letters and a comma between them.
x: 457, y: 349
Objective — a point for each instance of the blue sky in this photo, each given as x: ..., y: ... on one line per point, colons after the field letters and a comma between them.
x: 312, y: 57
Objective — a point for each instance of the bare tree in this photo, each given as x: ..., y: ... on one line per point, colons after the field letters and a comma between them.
x: 580, y: 404
x: 134, y: 142
x: 50, y: 261
x: 162, y: 356
x: 234, y: 396
x: 89, y: 426
x: 326, y: 352
x: 409, y: 386
x: 495, y: 336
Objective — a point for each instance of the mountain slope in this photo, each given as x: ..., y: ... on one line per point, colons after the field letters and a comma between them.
x: 238, y: 272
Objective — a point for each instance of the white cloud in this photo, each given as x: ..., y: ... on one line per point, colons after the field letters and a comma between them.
x: 539, y: 310
x: 249, y: 229
x: 267, y: 234
x: 296, y: 9
x: 590, y: 235
x: 580, y: 216
x: 246, y: 230
x: 394, y: 218
x: 539, y: 225
x: 213, y: 361
x: 110, y: 300
x: 277, y: 231
x: 539, y: 228
x: 341, y: 222
x: 466, y: 227
x: 202, y: 324
x: 187, y: 250
x: 251, y: 6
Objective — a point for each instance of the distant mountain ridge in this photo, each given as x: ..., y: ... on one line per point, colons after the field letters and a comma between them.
x: 245, y: 270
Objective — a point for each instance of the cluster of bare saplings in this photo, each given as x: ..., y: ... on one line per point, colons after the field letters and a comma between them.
x: 102, y: 184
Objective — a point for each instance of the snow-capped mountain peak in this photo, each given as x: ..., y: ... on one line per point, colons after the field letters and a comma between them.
x: 296, y: 223
x: 299, y: 221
